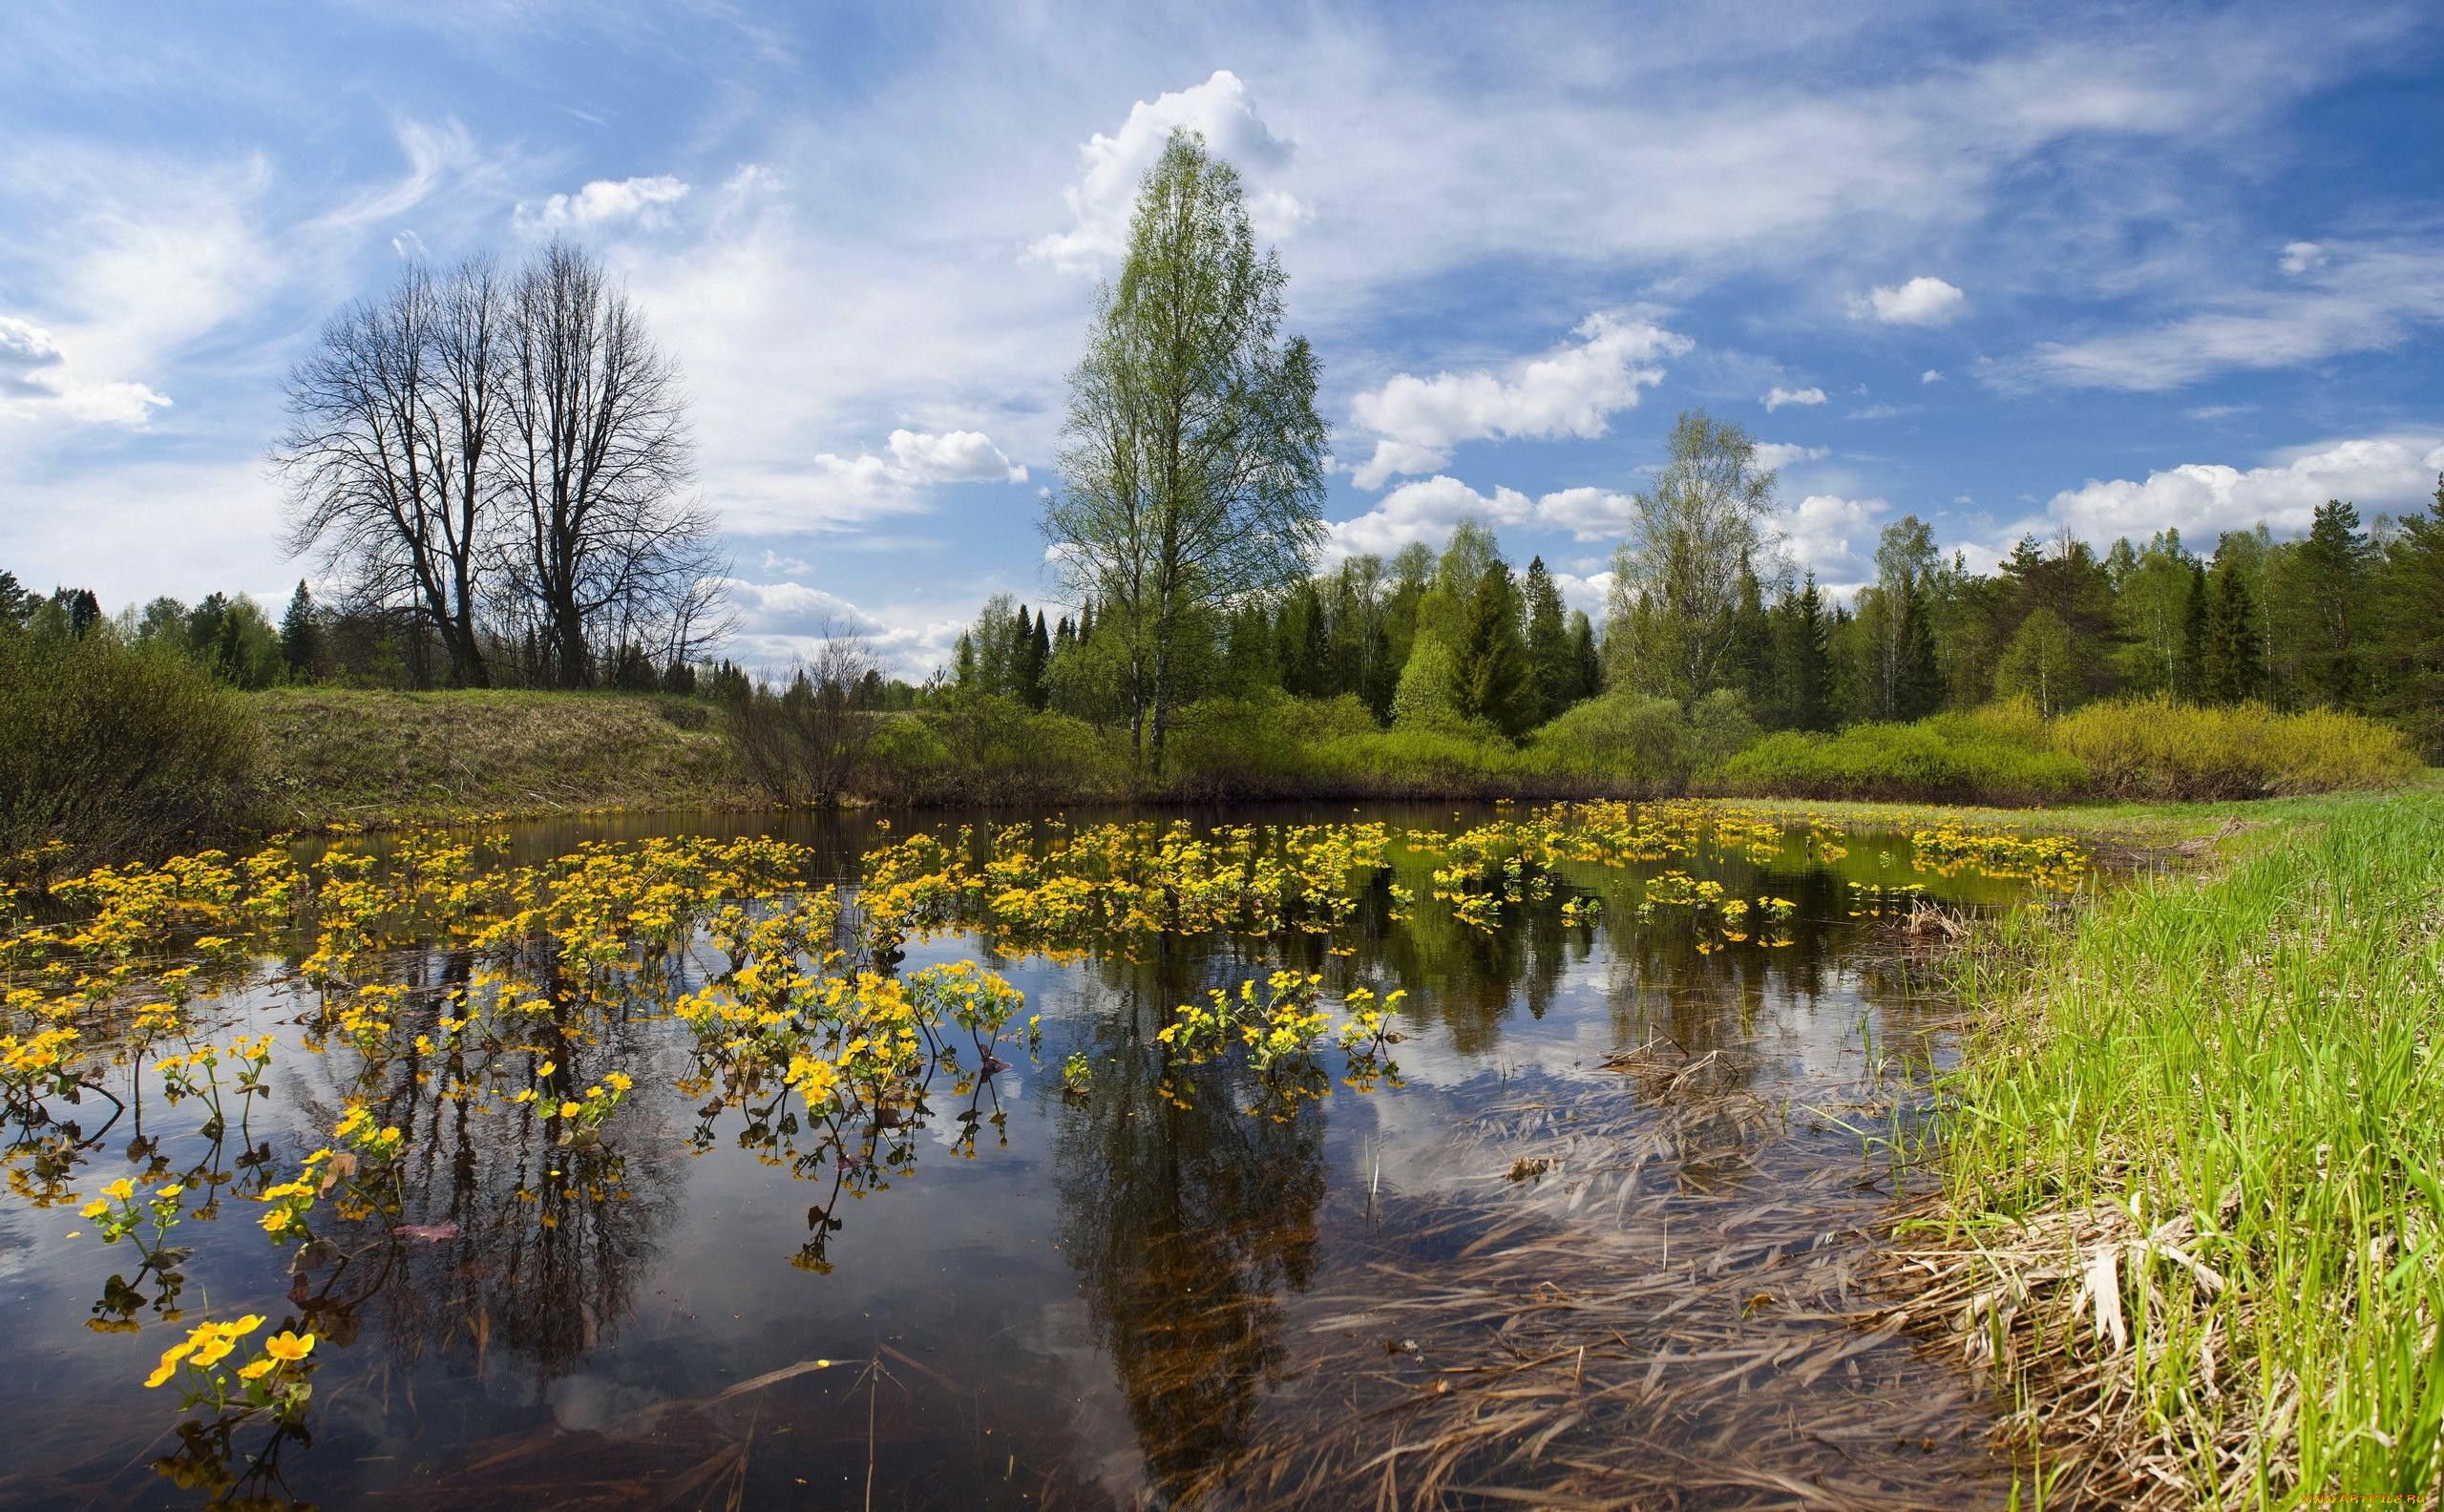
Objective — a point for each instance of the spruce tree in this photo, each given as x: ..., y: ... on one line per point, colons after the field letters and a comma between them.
x: 1803, y: 660
x: 2233, y: 668
x: 1918, y: 682
x: 301, y: 635
x: 1586, y: 660
x: 2333, y: 580
x: 1492, y: 683
x: 2193, y: 634
x: 2410, y: 595
x: 1548, y: 650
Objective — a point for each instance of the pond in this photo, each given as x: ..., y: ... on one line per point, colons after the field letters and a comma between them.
x: 1394, y: 1156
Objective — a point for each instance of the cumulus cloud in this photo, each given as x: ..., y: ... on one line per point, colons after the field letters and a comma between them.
x: 1778, y: 396
x: 1572, y: 391
x: 1425, y: 509
x: 2202, y: 499
x: 603, y: 202
x: 35, y: 379
x: 1221, y: 109
x: 1835, y: 536
x: 1780, y: 454
x: 781, y: 624
x: 1592, y: 594
x: 953, y: 457
x: 1932, y: 375
x: 1920, y: 302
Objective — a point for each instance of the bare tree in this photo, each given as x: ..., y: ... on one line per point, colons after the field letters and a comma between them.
x: 384, y: 457
x: 594, y: 454
x: 803, y: 745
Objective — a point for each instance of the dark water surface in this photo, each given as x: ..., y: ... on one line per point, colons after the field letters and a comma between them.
x: 1597, y: 1244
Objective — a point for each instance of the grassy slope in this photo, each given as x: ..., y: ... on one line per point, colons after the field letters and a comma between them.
x: 377, y: 757
x: 2194, y: 1204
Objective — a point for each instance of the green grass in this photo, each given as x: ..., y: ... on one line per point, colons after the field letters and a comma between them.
x: 2211, y: 1110
x: 371, y: 757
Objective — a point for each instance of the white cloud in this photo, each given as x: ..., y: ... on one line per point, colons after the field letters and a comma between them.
x: 955, y: 456
x: 2348, y: 298
x: 1932, y: 375
x: 2299, y: 256
x: 1921, y: 302
x: 1834, y: 536
x: 605, y: 201
x: 782, y: 624
x: 36, y: 380
x: 1592, y: 594
x: 1588, y: 513
x: 832, y: 492
x: 1572, y: 391
x: 1426, y: 511
x: 1778, y: 396
x: 1780, y: 454
x: 1105, y: 192
x: 2201, y: 499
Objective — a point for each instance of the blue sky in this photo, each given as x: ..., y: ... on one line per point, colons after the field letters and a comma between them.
x: 2035, y: 267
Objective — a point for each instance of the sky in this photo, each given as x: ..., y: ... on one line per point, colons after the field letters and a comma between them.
x: 2012, y: 269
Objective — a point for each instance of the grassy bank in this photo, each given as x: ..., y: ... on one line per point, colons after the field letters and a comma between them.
x: 2194, y: 1174
x: 347, y: 756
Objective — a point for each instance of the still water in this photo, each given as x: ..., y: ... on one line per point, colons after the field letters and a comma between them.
x: 1596, y: 1237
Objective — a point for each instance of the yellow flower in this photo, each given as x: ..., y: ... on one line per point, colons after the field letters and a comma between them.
x: 93, y: 1210
x: 276, y: 1220
x: 569, y: 1110
x: 289, y: 1347
x: 172, y: 1189
x: 119, y: 1190
x: 169, y: 1365
x: 258, y: 1370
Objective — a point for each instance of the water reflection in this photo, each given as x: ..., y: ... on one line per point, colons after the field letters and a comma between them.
x: 515, y: 1274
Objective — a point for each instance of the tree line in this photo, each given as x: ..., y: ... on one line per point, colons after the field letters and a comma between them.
x: 1189, y: 514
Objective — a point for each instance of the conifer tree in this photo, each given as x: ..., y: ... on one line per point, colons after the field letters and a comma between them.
x: 2333, y: 577
x: 1548, y: 651
x: 1586, y: 659
x: 1803, y: 660
x: 2233, y: 668
x: 2193, y: 635
x: 301, y: 635
x: 1492, y: 684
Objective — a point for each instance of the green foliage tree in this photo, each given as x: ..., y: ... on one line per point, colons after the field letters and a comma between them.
x: 2041, y: 663
x: 1192, y: 473
x: 1676, y: 581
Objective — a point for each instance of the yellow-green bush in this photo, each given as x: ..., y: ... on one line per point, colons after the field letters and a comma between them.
x: 2155, y: 747
x: 115, y: 750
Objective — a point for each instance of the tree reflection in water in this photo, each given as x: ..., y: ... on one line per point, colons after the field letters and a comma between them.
x: 1189, y: 1209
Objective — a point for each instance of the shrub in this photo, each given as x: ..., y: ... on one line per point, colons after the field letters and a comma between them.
x: 1626, y: 738
x: 1946, y: 758
x: 2154, y: 748
x: 980, y: 748
x: 115, y: 750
